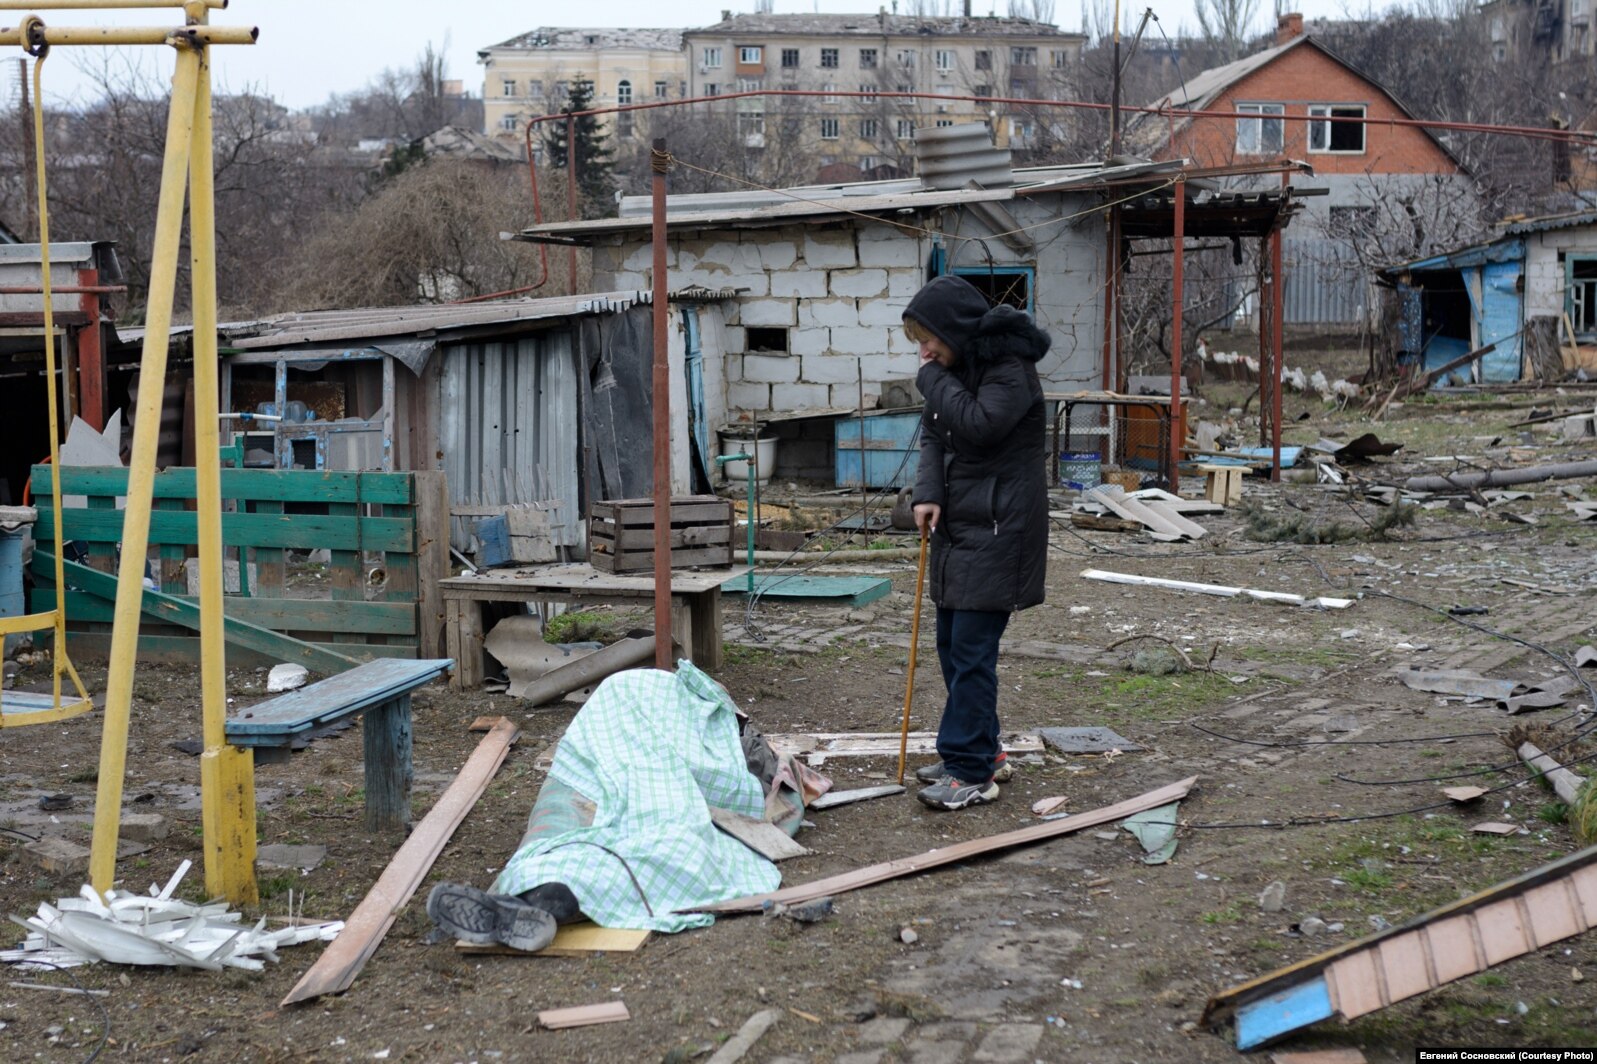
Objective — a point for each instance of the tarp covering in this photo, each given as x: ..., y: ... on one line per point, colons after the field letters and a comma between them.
x: 653, y: 751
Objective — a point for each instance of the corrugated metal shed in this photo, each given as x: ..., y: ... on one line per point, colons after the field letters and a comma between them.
x: 1550, y: 221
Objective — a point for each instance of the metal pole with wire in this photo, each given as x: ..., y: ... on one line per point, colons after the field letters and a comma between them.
x: 660, y: 165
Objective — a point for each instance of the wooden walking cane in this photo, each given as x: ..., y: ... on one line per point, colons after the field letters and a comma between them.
x: 914, y: 642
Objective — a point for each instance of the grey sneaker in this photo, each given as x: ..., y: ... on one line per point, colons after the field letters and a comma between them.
x: 949, y: 793
x: 476, y: 916
x: 1003, y: 771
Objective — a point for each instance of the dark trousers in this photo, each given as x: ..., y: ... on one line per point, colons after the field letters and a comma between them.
x: 967, y: 648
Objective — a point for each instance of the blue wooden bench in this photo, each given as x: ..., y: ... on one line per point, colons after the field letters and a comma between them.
x: 381, y: 690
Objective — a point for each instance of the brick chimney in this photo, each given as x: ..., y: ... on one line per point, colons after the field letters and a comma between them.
x: 1288, y: 26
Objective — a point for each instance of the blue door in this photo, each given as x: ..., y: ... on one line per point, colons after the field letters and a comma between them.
x: 1499, y: 317
x: 698, y: 431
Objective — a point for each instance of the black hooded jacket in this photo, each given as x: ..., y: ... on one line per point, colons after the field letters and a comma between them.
x: 983, y: 441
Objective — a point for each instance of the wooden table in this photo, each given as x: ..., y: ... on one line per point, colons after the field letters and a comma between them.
x: 695, y: 605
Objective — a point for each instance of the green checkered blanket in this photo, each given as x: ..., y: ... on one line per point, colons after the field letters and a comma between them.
x: 653, y: 751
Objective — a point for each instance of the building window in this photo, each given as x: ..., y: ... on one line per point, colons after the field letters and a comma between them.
x: 1345, y: 137
x: 751, y: 55
x: 944, y: 88
x: 711, y: 89
x: 660, y: 89
x: 870, y: 93
x: 751, y: 127
x: 790, y: 58
x: 829, y: 129
x: 828, y: 58
x: 868, y: 162
x: 906, y: 58
x: 1058, y: 58
x: 623, y: 92
x: 1023, y: 57
x: 944, y: 58
x: 623, y: 125
x: 868, y: 128
x: 906, y: 129
x: 944, y: 123
x: 562, y: 90
x: 509, y: 123
x: 984, y: 59
x: 509, y: 87
x: 792, y: 127
x: 828, y: 88
x: 1002, y: 286
x: 1017, y: 89
x: 1259, y: 136
x: 710, y: 57
x: 984, y: 92
x: 867, y: 59
x: 902, y: 87
x: 1580, y: 300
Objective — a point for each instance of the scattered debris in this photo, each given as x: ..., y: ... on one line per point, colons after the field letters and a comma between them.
x: 583, y: 671
x: 1586, y: 657
x: 1340, y: 1055
x: 751, y: 1031
x: 908, y: 936
x: 761, y: 836
x: 1046, y: 806
x: 1461, y: 795
x: 1311, y: 927
x: 903, y: 866
x: 1099, y: 523
x: 336, y: 969
x: 1265, y: 526
x: 59, y: 989
x: 54, y: 803
x: 584, y: 1015
x: 1215, y: 589
x: 286, y: 677
x: 1272, y: 899
x: 1571, y: 789
x: 1492, y: 827
x: 283, y: 856
x: 833, y: 799
x: 1156, y: 830
x: 144, y: 827
x: 810, y: 912
x: 121, y: 927
x: 1464, y: 682
x: 1545, y: 694
x: 1444, y: 945
x: 1162, y: 520
x: 818, y: 747
x: 1089, y: 740
x: 59, y: 856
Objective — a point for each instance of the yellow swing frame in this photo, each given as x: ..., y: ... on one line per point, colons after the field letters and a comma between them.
x: 226, y: 773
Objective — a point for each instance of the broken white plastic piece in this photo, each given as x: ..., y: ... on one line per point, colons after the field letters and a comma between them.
x: 1215, y: 589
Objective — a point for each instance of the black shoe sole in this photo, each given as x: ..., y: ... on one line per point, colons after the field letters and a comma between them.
x: 475, y: 916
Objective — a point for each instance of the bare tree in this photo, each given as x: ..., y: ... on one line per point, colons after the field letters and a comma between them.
x: 1226, y: 24
x: 1035, y: 10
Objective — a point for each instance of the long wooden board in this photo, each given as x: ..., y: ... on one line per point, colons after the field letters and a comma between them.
x: 336, y: 969
x: 584, y: 1015
x: 903, y: 866
x: 572, y: 940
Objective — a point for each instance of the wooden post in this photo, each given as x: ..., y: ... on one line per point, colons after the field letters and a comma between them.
x: 660, y: 162
x: 432, y: 559
x: 1178, y: 253
x: 386, y: 733
x: 1278, y: 311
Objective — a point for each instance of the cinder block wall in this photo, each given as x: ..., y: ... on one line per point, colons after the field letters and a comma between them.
x: 1544, y: 267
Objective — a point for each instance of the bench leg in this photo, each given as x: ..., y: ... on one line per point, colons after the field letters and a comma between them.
x: 227, y: 784
x: 452, y: 639
x: 386, y: 731
x: 468, y: 665
x: 682, y: 630
x: 705, y: 608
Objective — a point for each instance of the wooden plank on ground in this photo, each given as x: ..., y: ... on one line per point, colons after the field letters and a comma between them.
x: 571, y: 940
x: 903, y: 866
x: 187, y: 614
x: 761, y: 836
x: 341, y: 962
x: 584, y: 1015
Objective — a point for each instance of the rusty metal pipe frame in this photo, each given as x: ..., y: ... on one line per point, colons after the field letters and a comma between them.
x: 105, y: 5
x: 36, y: 34
x: 659, y: 164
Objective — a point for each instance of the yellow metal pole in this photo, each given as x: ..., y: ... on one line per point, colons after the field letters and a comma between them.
x: 100, y: 5
x: 227, y: 774
x: 141, y: 471
x: 75, y: 35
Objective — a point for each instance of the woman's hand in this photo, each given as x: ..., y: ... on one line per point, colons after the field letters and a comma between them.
x: 926, y: 517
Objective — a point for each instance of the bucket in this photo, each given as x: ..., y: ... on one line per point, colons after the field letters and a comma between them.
x: 15, y: 523
x: 764, y: 458
x: 1080, y: 470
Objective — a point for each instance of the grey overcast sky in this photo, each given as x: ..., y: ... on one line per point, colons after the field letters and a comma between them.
x: 312, y: 49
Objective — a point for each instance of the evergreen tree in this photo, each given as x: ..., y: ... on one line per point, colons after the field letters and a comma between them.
x: 595, y: 183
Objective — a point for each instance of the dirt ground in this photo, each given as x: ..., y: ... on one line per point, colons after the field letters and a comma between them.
x: 1068, y: 950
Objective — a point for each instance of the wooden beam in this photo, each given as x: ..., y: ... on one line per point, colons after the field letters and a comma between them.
x: 904, y: 866
x: 584, y: 1015
x: 342, y: 961
x: 178, y: 611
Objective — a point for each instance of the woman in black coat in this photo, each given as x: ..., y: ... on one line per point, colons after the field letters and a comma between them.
x: 982, y: 492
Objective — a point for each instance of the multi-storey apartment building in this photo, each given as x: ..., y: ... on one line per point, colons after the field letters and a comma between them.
x: 1540, y: 30
x: 984, y: 58
x: 531, y: 74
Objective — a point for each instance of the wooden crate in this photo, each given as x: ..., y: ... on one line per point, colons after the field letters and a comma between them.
x: 621, y: 534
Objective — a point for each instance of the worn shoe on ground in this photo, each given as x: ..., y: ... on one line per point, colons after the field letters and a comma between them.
x: 476, y: 916
x: 950, y: 793
x: 1003, y: 771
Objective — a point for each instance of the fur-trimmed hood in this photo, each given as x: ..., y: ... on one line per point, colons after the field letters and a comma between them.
x: 1005, y: 332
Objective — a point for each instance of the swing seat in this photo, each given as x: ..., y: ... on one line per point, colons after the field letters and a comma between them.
x: 33, y: 707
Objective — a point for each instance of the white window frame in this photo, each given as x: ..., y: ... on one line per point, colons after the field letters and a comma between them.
x: 1322, y: 132
x: 830, y: 129
x: 1023, y: 55
x: 944, y: 59
x: 867, y: 64
x: 869, y: 128
x: 662, y: 89
x: 623, y: 92
x: 904, y: 128
x: 508, y: 85
x: 751, y: 54
x: 944, y: 123
x: 836, y: 57
x: 870, y: 93
x: 906, y: 58
x: 1251, y: 131
x: 829, y: 88
x: 710, y: 57
x: 1058, y: 58
x: 509, y: 123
